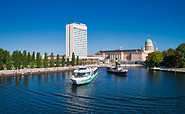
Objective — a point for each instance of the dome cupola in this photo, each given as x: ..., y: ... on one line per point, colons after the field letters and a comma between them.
x: 148, y: 41
x: 148, y: 45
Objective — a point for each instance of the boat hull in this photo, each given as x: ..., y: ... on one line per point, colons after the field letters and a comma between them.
x: 83, y: 81
x: 117, y: 72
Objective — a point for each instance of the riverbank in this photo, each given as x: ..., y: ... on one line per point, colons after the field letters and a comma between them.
x: 30, y: 71
x: 178, y: 70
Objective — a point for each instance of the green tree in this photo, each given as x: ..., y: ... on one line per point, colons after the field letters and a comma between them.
x: 169, y: 58
x: 24, y: 59
x: 58, y: 61
x: 8, y: 61
x: 21, y: 59
x: 181, y: 52
x: 33, y: 57
x: 32, y: 64
x: 68, y: 63
x: 29, y: 58
x: 1, y: 59
x: 5, y: 53
x: 73, y: 59
x: 46, y: 60
x: 63, y: 61
x: 52, y: 62
x: 77, y: 60
x: 154, y: 59
x: 39, y: 60
x: 82, y: 62
x: 13, y: 58
x: 16, y: 57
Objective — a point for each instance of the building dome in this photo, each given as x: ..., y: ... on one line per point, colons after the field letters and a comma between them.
x: 148, y: 41
x: 149, y: 47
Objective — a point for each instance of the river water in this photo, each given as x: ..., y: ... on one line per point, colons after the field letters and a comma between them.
x: 141, y: 91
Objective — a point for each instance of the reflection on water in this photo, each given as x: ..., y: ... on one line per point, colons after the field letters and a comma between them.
x: 140, y: 90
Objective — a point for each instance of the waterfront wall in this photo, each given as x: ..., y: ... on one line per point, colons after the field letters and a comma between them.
x: 128, y: 65
x: 179, y: 70
x: 29, y: 71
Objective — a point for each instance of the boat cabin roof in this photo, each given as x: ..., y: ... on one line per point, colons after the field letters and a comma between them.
x: 82, y: 69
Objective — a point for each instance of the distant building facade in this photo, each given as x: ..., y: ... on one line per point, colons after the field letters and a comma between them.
x: 76, y: 40
x: 132, y: 55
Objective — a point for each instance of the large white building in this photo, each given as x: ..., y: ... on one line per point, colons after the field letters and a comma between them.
x: 76, y: 40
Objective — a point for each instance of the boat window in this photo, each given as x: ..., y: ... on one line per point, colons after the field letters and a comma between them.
x: 82, y: 69
x: 88, y: 73
x: 82, y: 74
x: 95, y: 71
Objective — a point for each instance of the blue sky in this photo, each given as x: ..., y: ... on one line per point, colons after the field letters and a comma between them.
x: 39, y: 25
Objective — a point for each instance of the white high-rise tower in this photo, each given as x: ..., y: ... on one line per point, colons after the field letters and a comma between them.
x: 76, y: 40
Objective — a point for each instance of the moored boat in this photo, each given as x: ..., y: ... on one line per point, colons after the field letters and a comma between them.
x: 84, y: 75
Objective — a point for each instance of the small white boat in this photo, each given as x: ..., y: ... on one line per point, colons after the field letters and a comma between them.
x: 84, y: 75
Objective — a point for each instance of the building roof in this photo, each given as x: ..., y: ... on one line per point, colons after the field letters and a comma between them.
x: 120, y: 50
x: 148, y: 41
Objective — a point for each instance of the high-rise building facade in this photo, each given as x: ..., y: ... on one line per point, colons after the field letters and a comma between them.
x: 76, y: 40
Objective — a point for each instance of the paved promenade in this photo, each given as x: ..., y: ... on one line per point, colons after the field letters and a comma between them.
x: 131, y: 65
x: 29, y: 71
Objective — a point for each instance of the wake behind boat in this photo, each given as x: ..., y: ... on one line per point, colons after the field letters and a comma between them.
x: 84, y: 75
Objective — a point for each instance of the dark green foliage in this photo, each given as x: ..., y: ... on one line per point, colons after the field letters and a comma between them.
x: 29, y: 58
x: 174, y: 58
x: 63, y: 61
x: 32, y: 64
x: 77, y: 60
x: 52, y: 62
x: 73, y: 59
x: 39, y: 60
x: 181, y: 55
x: 82, y: 62
x: 33, y: 56
x: 5, y: 53
x: 154, y: 59
x: 21, y: 59
x: 1, y: 59
x: 24, y: 59
x: 8, y: 61
x: 16, y: 57
x: 58, y: 61
x: 169, y: 58
x: 68, y: 63
x: 46, y: 60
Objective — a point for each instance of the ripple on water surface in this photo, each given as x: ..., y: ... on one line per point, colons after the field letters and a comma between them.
x: 140, y: 91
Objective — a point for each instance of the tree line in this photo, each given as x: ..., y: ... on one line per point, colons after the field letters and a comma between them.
x: 170, y: 58
x: 19, y: 60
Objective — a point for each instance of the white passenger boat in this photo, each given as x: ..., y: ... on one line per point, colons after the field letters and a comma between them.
x: 84, y: 75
